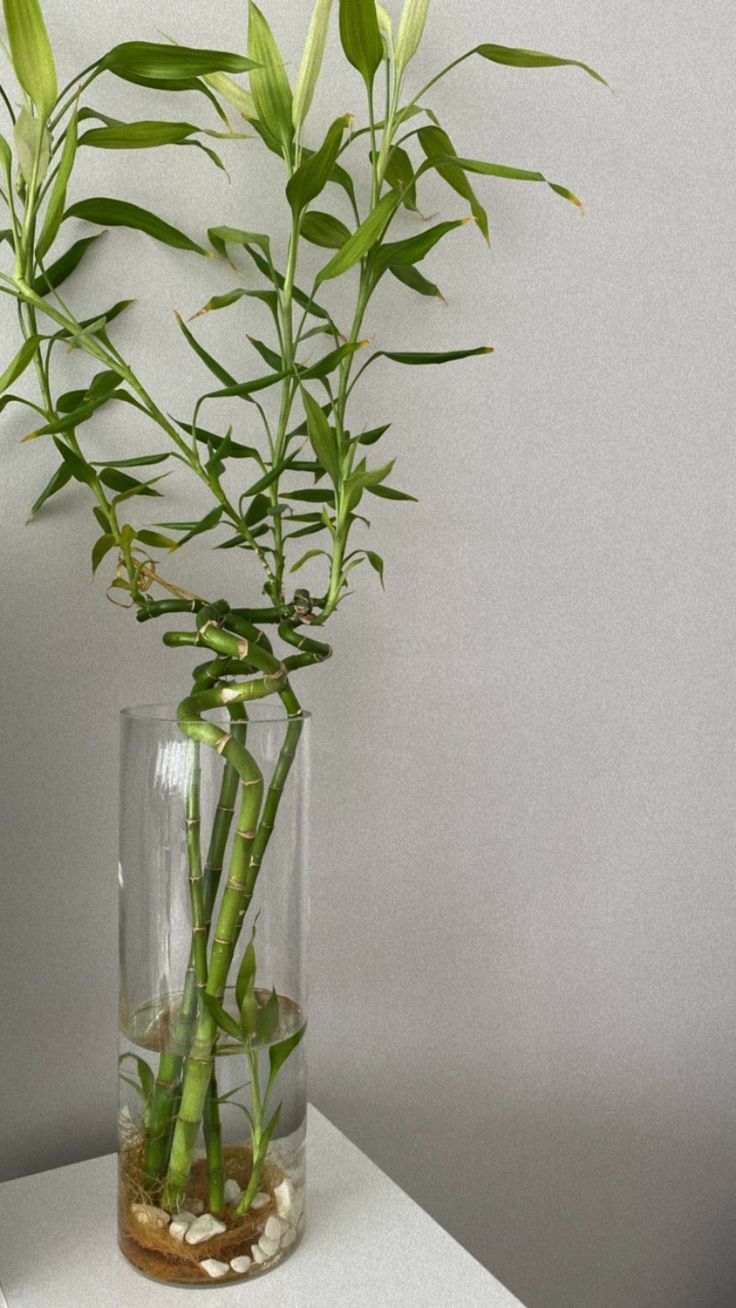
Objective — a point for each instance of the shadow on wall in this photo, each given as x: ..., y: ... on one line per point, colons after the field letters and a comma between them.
x: 638, y: 1210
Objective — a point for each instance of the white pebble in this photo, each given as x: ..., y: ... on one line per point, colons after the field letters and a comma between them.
x: 180, y: 1224
x: 148, y: 1215
x: 288, y: 1238
x: 269, y: 1247
x: 274, y: 1228
x: 203, y: 1228
x: 232, y: 1191
x: 284, y: 1196
x: 240, y: 1264
x: 258, y: 1254
x: 214, y: 1268
x: 260, y: 1200
x: 300, y: 1225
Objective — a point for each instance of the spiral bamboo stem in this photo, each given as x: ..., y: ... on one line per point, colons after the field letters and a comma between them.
x: 239, y: 646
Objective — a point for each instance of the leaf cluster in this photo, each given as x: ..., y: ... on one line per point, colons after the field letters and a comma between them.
x: 294, y: 466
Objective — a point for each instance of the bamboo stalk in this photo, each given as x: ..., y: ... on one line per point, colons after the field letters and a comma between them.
x: 251, y: 840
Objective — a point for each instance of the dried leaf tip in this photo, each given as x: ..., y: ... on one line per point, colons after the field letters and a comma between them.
x: 488, y: 349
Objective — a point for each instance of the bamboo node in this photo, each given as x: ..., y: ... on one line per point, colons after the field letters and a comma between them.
x: 223, y: 743
x: 246, y: 835
x: 229, y: 694
x: 243, y: 647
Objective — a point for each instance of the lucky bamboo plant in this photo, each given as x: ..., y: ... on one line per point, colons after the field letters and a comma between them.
x: 303, y: 469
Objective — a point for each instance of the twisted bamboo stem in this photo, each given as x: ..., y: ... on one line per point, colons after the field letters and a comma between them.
x: 244, y: 646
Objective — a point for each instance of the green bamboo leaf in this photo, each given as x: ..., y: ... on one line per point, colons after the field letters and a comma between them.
x: 248, y: 1015
x: 57, y: 197
x: 222, y: 301
x: 363, y: 479
x: 312, y: 176
x: 79, y: 415
x: 258, y: 510
x: 268, y: 355
x: 271, y: 1127
x: 310, y: 554
x: 361, y: 241
x: 324, y: 230
x: 518, y: 58
x: 361, y: 37
x: 57, y: 482
x: 267, y: 1020
x: 312, y: 495
x: 20, y: 362
x: 119, y: 213
x: 32, y: 145
x: 400, y: 175
x: 145, y: 1074
x: 216, y: 368
x: 6, y: 163
x: 418, y: 359
x: 311, y: 64
x: 221, y: 237
x: 64, y: 266
x: 100, y: 548
x: 30, y: 51
x: 436, y: 143
x: 268, y: 82
x: 137, y: 136
x: 215, y: 442
x: 168, y: 63
x: 80, y: 470
x: 415, y: 280
x: 246, y: 972
x: 322, y: 438
x: 108, y: 316
x: 278, y: 1054
x: 403, y: 254
x: 370, y: 437
x: 377, y: 564
x: 329, y: 362
x: 139, y: 461
x: 411, y: 31
x: 391, y: 493
x: 155, y: 539
x: 515, y: 175
x: 243, y: 390
x: 125, y: 485
x: 223, y: 1019
x: 305, y: 531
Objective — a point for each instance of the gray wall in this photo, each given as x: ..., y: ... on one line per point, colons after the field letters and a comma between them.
x: 522, y: 897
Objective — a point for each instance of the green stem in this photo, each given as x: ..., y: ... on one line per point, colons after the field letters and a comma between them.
x: 213, y: 1144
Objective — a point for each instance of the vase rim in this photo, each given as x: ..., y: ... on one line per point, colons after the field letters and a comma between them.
x: 259, y: 713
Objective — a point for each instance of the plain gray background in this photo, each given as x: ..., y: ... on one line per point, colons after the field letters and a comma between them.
x: 522, y: 975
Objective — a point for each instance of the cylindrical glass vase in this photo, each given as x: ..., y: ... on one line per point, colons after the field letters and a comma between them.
x: 213, y: 908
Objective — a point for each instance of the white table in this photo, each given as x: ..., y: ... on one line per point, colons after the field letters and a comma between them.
x: 366, y: 1244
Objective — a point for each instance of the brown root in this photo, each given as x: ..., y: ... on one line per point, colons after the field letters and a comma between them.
x: 158, y: 1254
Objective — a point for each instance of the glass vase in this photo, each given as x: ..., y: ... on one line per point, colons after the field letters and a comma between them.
x: 211, y: 1069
